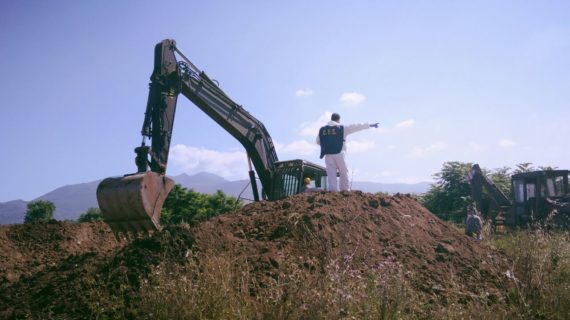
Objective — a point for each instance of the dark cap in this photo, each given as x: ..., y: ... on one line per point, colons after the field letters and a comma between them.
x: 335, y: 117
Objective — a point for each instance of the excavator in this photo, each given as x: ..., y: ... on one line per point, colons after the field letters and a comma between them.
x: 132, y: 203
x: 535, y: 194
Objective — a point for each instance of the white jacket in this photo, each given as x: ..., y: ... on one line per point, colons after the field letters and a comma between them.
x: 348, y: 129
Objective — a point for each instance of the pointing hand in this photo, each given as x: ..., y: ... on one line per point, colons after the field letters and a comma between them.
x: 374, y: 125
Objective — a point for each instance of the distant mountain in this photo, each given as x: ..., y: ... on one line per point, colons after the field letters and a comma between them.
x: 12, y: 211
x: 209, y: 183
x: 72, y: 200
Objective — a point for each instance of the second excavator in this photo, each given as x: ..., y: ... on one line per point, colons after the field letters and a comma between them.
x: 132, y: 203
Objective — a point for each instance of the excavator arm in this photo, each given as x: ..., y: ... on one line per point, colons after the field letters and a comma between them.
x: 171, y: 77
x: 244, y: 127
x: 478, y: 181
x: 133, y: 202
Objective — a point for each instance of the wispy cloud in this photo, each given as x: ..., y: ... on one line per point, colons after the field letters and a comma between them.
x: 350, y: 99
x: 304, y: 92
x: 506, y: 143
x: 191, y: 160
x: 297, y: 148
x: 406, y: 124
x: 421, y: 152
x: 311, y: 129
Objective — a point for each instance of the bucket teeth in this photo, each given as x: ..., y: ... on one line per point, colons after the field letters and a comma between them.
x: 132, y: 204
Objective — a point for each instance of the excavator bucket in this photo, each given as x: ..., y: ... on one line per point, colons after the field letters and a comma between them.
x: 132, y: 203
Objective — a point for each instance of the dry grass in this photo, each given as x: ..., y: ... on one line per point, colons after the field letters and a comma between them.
x: 541, y: 273
x: 217, y: 287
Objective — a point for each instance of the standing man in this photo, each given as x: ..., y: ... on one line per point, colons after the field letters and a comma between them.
x: 331, y: 138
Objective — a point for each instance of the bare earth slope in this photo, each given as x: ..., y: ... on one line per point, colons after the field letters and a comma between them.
x: 51, y: 269
x: 370, y: 229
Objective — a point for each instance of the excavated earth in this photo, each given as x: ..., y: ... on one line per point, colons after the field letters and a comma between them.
x: 51, y: 269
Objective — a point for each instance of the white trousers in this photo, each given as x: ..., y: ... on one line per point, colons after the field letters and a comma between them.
x: 334, y: 163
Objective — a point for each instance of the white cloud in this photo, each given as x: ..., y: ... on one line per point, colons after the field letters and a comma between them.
x: 421, y: 152
x: 298, y: 148
x: 350, y: 99
x: 357, y: 146
x: 406, y: 124
x: 311, y: 129
x: 304, y: 92
x: 506, y: 143
x: 191, y: 160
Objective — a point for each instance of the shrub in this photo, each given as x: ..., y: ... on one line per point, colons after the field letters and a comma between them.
x: 91, y: 215
x: 183, y: 205
x: 39, y: 210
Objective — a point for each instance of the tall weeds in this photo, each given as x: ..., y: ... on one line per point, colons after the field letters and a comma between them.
x: 219, y: 287
x: 541, y: 273
x: 216, y: 287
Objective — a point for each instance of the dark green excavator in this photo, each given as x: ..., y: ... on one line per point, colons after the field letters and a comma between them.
x: 132, y: 203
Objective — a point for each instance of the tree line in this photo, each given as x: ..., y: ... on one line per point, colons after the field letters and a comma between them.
x: 181, y: 205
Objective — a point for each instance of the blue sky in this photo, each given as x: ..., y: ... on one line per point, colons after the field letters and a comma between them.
x: 472, y: 81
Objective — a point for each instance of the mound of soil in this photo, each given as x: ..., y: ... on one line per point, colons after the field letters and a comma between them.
x: 84, y: 282
x: 59, y: 268
x: 26, y: 249
x: 372, y: 230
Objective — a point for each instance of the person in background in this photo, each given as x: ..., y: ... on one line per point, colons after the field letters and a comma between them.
x: 306, y: 184
x: 332, y: 139
x: 473, y: 222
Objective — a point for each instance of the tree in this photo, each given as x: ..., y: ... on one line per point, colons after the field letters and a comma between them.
x: 39, y: 210
x: 91, y: 215
x: 524, y: 167
x: 183, y: 205
x: 220, y: 203
x: 448, y: 197
x: 502, y: 179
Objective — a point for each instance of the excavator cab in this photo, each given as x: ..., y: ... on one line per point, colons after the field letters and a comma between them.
x: 289, y: 176
x: 531, y: 191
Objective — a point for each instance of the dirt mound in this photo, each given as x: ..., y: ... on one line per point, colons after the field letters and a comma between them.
x: 369, y: 229
x: 62, y: 268
x: 26, y: 249
x: 72, y: 283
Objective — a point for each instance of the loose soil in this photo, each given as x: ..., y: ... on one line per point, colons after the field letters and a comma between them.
x: 58, y: 268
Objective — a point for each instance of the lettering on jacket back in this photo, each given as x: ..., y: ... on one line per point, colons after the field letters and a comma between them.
x: 332, y: 139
